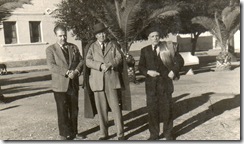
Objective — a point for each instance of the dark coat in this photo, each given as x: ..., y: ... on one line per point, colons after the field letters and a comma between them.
x: 89, y: 100
x: 148, y: 61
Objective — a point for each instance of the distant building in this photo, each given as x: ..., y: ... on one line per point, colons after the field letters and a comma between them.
x: 26, y: 34
x: 205, y: 42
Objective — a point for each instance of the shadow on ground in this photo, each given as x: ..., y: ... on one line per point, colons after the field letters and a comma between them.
x: 213, y: 111
x: 21, y: 89
x: 8, y: 81
x: 9, y: 107
x: 17, y: 97
x: 137, y: 119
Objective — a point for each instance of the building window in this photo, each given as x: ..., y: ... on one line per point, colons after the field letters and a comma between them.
x: 10, y: 32
x: 35, y: 31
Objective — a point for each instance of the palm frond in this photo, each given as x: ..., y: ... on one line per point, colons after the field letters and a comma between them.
x: 231, y: 17
x: 209, y: 24
x: 218, y: 30
x: 129, y: 17
x: 118, y: 9
x: 169, y: 10
x: 111, y: 21
x: 233, y: 30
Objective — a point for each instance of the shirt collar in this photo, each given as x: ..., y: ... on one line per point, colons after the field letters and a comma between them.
x: 102, y: 43
x: 153, y: 47
x: 61, y: 46
x: 157, y: 49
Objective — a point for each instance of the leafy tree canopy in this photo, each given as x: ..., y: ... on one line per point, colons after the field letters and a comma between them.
x: 6, y: 6
x: 135, y: 16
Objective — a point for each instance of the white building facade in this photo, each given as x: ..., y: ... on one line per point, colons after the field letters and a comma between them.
x: 26, y: 34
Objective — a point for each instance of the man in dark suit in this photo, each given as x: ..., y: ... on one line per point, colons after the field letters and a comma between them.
x: 103, y: 59
x: 65, y: 63
x: 159, y: 63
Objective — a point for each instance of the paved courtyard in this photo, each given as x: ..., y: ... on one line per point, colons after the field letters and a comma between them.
x: 206, y: 107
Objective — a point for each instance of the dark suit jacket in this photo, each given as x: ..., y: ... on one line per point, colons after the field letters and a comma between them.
x: 59, y: 66
x: 148, y: 61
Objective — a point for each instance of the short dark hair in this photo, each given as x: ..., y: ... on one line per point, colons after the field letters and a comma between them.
x: 59, y: 27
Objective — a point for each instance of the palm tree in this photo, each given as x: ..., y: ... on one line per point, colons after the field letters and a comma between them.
x: 223, y: 27
x: 126, y: 19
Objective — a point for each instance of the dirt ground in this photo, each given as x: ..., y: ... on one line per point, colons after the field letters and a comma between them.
x: 206, y: 107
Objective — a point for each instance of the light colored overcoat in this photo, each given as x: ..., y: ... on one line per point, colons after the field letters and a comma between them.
x: 95, y: 58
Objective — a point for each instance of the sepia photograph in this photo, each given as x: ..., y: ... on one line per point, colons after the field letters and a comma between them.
x: 126, y: 71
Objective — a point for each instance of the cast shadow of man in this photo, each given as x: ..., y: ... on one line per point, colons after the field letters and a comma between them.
x: 137, y: 121
x: 213, y: 111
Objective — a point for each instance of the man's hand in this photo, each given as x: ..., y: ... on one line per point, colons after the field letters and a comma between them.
x: 73, y: 73
x: 67, y: 73
x: 171, y: 75
x: 152, y: 73
x: 108, y: 66
x: 105, y: 67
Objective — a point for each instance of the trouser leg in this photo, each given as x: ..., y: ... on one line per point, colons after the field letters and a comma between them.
x: 113, y: 101
x: 102, y: 110
x: 153, y: 117
x: 153, y: 110
x: 73, y: 111
x: 167, y: 114
x: 62, y: 113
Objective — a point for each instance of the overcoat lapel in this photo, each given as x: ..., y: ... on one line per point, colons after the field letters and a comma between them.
x: 99, y: 49
x: 107, y: 48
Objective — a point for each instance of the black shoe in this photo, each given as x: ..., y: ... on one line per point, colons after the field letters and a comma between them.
x: 103, y: 138
x: 79, y: 137
x: 64, y: 138
x: 121, y: 138
x: 153, y: 138
x: 169, y: 137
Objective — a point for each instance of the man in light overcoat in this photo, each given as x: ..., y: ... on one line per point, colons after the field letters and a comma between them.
x: 103, y: 59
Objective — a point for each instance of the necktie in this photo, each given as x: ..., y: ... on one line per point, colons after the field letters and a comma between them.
x: 155, y: 50
x: 65, y: 52
x: 64, y: 49
x: 103, y: 47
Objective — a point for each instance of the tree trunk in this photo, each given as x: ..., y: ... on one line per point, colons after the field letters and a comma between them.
x: 131, y: 68
x: 223, y: 61
x: 125, y: 91
x: 231, y: 50
x: 126, y: 87
x: 194, y: 42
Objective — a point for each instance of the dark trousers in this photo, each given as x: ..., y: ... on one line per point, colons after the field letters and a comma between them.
x: 159, y: 105
x: 67, y: 110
